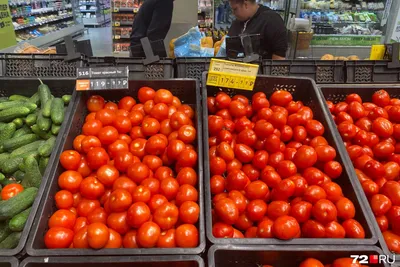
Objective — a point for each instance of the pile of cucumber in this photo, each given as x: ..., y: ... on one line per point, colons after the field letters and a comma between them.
x: 28, y: 130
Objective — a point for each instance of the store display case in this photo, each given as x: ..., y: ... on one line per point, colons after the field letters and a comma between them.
x: 95, y: 13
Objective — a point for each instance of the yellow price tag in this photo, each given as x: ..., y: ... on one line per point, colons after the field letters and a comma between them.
x: 116, y: 9
x: 377, y: 52
x: 135, y: 10
x: 230, y: 74
x: 117, y: 24
x: 117, y: 37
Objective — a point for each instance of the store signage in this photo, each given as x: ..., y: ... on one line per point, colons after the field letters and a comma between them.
x: 7, y: 33
x: 102, y: 78
x: 343, y: 40
x: 231, y: 74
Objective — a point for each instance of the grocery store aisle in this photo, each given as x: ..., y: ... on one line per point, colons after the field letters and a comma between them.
x: 100, y: 38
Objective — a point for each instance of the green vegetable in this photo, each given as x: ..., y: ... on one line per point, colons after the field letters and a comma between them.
x: 11, y: 207
x: 43, y: 123
x: 18, y: 98
x: 66, y: 99
x: 18, y: 222
x: 43, y: 164
x: 55, y: 129
x: 19, y: 122
x: 35, y: 99
x: 19, y: 175
x: 44, y: 93
x: 11, y: 165
x: 8, y: 115
x: 3, y: 125
x: 3, y: 99
x: 11, y: 104
x: 3, y: 158
x: 40, y: 133
x: 7, y: 132
x: 8, y: 181
x: 57, y: 111
x: 45, y: 150
x: 31, y: 119
x: 22, y: 131
x: 16, y: 142
x: 46, y: 111
x: 2, y: 177
x: 11, y: 241
x: 33, y: 177
x: 26, y: 148
x: 5, y: 230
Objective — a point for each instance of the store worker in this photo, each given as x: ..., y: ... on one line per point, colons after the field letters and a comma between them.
x: 153, y: 20
x: 252, y: 18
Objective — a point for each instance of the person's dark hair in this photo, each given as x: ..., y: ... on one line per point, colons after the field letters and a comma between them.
x: 242, y: 1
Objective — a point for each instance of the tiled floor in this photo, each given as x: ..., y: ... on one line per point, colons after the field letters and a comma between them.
x: 100, y: 39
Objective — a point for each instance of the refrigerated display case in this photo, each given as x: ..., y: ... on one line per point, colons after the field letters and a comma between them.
x: 95, y: 13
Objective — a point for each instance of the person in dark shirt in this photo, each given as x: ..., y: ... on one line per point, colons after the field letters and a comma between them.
x: 252, y: 18
x: 153, y: 21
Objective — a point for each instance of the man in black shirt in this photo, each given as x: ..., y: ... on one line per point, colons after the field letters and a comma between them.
x: 252, y: 18
x: 153, y: 21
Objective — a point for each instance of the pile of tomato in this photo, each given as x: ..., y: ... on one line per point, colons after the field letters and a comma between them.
x: 341, y: 262
x: 272, y: 171
x: 131, y: 179
x: 371, y: 134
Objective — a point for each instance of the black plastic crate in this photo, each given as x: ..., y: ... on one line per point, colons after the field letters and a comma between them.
x: 28, y: 87
x: 337, y: 93
x: 305, y: 90
x: 8, y: 262
x: 38, y: 65
x: 371, y: 71
x: 189, y: 93
x: 292, y: 256
x: 163, y: 69
x: 193, y: 68
x: 322, y: 71
x: 144, y: 261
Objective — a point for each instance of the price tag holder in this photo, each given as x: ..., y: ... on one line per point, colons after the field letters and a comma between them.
x: 135, y: 10
x: 377, y: 52
x: 102, y: 78
x: 231, y: 74
x: 117, y: 24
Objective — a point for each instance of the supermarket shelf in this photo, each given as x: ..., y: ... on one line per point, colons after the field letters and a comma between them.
x: 347, y: 22
x: 119, y: 37
x: 122, y: 23
x: 87, y: 3
x: 42, y: 23
x: 121, y: 54
x: 347, y: 35
x: 40, y: 12
x: 88, y: 11
x: 341, y: 10
x: 125, y: 9
x: 50, y: 38
x: 29, y: 3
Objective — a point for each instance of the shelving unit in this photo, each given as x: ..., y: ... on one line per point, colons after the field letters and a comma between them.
x: 95, y: 13
x: 123, y: 14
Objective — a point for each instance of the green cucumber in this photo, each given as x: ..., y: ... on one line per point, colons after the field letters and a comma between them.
x: 45, y: 150
x: 3, y: 99
x: 8, y: 181
x: 66, y: 99
x: 22, y: 131
x: 11, y: 207
x: 55, y: 129
x: 11, y: 241
x: 57, y: 111
x: 21, y: 167
x: 3, y: 158
x: 43, y: 123
x: 7, y: 132
x: 4, y: 230
x: 31, y: 119
x: 16, y: 142
x: 33, y: 177
x: 18, y: 98
x: 8, y: 115
x: 43, y: 164
x: 11, y: 165
x: 2, y: 177
x: 42, y: 134
x: 35, y: 99
x: 26, y: 148
x: 3, y: 125
x: 17, y: 223
x: 19, y: 122
x: 11, y: 104
x: 19, y: 175
x: 44, y: 93
x: 46, y: 111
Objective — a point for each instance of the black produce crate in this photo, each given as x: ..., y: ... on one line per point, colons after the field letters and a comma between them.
x: 163, y: 69
x: 277, y: 256
x: 193, y: 68
x: 28, y: 87
x: 322, y: 71
x: 8, y: 262
x: 305, y: 90
x: 371, y: 71
x: 38, y: 65
x: 188, y: 92
x: 144, y: 261
x: 337, y: 93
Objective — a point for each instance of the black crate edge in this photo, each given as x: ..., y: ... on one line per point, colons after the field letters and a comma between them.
x: 305, y: 249
x: 45, y: 177
x: 110, y: 252
x: 342, y: 153
x: 327, y: 88
x: 371, y: 71
x: 13, y: 262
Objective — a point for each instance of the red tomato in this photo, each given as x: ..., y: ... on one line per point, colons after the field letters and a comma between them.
x: 58, y: 237
x: 95, y: 103
x: 286, y: 227
x: 148, y: 235
x: 187, y: 236
x: 70, y: 159
x: 97, y: 157
x: 70, y: 180
x: 353, y: 229
x: 91, y: 188
x: 62, y: 218
x: 11, y: 190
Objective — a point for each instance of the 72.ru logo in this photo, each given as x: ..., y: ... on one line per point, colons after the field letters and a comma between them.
x: 373, y: 259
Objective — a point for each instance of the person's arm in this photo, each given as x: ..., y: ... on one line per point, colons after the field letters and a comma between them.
x: 161, y: 20
x: 276, y: 36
